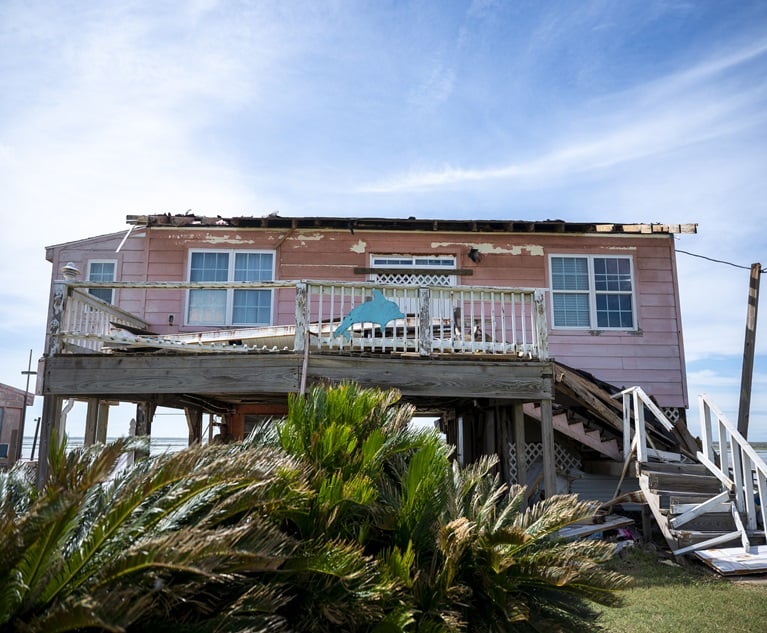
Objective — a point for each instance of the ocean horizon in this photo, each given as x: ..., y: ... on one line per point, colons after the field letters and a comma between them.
x: 171, y: 444
x: 157, y: 445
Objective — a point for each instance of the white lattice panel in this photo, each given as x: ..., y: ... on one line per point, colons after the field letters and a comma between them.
x: 413, y: 279
x: 673, y: 414
x: 564, y: 460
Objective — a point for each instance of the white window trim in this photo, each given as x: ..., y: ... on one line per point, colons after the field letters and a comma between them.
x: 592, y: 327
x: 113, y: 301
x: 229, y: 291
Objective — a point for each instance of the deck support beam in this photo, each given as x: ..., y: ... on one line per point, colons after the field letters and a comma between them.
x: 518, y: 416
x: 143, y: 427
x: 547, y: 444
x: 91, y: 417
x: 194, y: 424
x: 51, y: 419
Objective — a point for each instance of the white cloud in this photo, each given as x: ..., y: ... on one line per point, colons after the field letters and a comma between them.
x: 662, y: 116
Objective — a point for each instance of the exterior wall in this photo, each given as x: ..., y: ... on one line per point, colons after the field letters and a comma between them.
x: 11, y: 403
x: 651, y: 356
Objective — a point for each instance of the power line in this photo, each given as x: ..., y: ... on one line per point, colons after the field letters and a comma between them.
x: 718, y: 261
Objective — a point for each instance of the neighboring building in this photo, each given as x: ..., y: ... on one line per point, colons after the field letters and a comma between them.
x: 228, y: 315
x: 12, y: 403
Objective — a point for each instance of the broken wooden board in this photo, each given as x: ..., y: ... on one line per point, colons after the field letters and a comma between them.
x: 581, y: 530
x: 734, y: 561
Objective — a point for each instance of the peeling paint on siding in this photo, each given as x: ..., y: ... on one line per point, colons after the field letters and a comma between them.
x: 620, y: 248
x: 303, y: 238
x: 494, y: 249
x: 359, y: 247
x: 212, y: 238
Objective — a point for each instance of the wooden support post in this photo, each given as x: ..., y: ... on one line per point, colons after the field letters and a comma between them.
x: 194, y: 424
x: 518, y: 414
x: 102, y: 422
x: 748, y: 350
x: 51, y: 418
x: 502, y: 449
x: 424, y: 320
x: 144, y: 414
x: 547, y: 441
x: 489, y: 434
x: 91, y: 416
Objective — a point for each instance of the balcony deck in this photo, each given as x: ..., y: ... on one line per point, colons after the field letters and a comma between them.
x: 415, y: 339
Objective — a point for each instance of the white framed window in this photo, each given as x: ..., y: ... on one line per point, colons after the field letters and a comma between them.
x: 102, y: 270
x: 592, y: 292
x: 422, y: 270
x: 230, y: 306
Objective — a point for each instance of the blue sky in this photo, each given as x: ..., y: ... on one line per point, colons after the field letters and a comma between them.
x: 621, y: 111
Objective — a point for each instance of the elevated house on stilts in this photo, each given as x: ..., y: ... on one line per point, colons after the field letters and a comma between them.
x: 516, y: 335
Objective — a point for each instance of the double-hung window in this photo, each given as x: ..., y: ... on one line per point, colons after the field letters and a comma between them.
x: 592, y: 292
x: 102, y: 270
x: 230, y: 306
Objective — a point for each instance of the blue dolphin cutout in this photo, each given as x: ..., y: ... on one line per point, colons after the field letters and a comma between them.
x: 378, y: 310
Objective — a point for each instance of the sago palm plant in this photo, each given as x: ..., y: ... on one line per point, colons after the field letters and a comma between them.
x: 495, y: 564
x: 175, y: 538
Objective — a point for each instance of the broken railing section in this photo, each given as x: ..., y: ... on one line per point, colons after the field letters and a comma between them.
x: 81, y: 320
x: 425, y: 320
x: 738, y: 475
x: 730, y: 457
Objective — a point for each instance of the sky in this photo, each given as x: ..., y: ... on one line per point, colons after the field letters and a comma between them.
x: 584, y: 111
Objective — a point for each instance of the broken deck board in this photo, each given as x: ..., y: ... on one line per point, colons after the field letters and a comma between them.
x: 734, y: 560
x: 581, y: 530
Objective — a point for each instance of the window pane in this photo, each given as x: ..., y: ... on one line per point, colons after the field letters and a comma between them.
x: 614, y: 311
x: 253, y: 267
x: 569, y: 273
x: 571, y: 310
x: 207, y: 307
x: 101, y: 271
x: 209, y: 267
x: 252, y: 307
x: 612, y: 274
x: 392, y: 261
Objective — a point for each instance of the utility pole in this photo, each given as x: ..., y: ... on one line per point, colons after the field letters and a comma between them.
x: 748, y: 350
x: 27, y: 373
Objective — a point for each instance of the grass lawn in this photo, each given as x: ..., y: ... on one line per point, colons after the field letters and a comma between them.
x: 692, y: 599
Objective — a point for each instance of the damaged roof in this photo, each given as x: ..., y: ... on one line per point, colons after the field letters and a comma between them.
x: 275, y: 221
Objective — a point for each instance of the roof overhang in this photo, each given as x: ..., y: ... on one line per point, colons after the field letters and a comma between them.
x: 277, y: 222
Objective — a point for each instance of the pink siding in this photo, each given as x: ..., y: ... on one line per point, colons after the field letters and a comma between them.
x: 652, y: 356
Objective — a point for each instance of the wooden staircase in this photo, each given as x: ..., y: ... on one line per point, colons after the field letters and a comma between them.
x: 577, y: 431
x: 699, y: 506
x: 689, y: 505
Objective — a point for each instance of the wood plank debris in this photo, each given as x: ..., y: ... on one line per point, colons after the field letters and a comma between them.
x: 735, y: 561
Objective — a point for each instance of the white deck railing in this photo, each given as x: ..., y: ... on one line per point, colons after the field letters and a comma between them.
x: 731, y: 458
x: 428, y: 320
x: 408, y: 319
x: 635, y: 400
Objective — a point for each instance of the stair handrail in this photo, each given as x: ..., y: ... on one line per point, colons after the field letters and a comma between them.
x: 637, y: 396
x: 737, y: 461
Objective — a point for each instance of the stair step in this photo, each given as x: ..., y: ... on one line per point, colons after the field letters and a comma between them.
x: 676, y: 483
x: 673, y: 467
x: 710, y: 522
x: 680, y: 505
